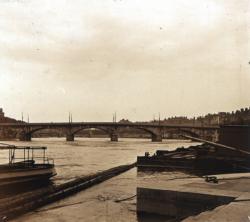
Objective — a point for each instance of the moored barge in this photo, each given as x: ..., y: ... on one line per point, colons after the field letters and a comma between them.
x: 204, y: 159
x: 25, y: 165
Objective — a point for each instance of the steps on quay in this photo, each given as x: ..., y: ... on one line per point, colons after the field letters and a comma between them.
x: 194, y: 199
x: 237, y: 210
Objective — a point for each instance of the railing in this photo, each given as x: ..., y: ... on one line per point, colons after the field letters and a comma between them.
x: 107, y: 124
x: 26, y: 155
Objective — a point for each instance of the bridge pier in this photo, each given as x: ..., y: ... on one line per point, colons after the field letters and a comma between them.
x: 25, y: 137
x: 114, y: 137
x: 24, y: 131
x: 70, y: 137
x: 156, y: 138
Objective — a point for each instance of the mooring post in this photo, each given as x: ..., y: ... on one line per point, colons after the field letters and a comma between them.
x: 25, y: 136
x: 156, y: 138
x: 70, y: 137
x: 114, y: 137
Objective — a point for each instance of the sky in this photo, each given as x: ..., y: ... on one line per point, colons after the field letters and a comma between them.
x: 137, y: 58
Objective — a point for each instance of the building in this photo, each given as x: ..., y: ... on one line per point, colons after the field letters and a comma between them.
x: 5, y: 119
x: 1, y: 113
x: 237, y: 136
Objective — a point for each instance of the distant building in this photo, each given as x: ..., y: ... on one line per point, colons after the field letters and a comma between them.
x: 235, y: 136
x: 1, y: 113
x: 4, y: 119
x: 124, y: 121
x: 238, y: 117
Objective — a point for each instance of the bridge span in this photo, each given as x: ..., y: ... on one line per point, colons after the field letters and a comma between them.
x: 25, y: 130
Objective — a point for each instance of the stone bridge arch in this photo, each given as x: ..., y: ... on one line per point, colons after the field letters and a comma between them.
x: 156, y: 133
x: 113, y: 132
x: 25, y: 134
x: 189, y: 133
x: 110, y: 131
x: 70, y: 131
x: 203, y: 133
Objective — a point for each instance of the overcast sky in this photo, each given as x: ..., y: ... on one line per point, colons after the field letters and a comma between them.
x: 137, y: 58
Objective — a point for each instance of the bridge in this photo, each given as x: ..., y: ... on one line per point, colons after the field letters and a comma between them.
x: 25, y: 130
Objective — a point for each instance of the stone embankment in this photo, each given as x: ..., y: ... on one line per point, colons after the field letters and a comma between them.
x: 16, y: 205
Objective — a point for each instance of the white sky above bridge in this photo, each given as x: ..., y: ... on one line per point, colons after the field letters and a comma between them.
x: 134, y: 57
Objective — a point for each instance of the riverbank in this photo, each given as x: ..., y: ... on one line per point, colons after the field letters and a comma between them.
x: 194, y: 199
x: 216, y: 183
x: 14, y: 206
x: 97, y: 204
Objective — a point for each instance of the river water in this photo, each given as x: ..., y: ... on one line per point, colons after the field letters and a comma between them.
x: 90, y: 155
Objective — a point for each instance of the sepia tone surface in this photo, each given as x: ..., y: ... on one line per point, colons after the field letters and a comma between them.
x: 160, y: 91
x: 137, y: 58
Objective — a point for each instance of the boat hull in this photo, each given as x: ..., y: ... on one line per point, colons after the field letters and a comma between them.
x: 16, y: 175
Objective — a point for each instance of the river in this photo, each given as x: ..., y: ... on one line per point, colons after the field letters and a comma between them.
x: 90, y: 155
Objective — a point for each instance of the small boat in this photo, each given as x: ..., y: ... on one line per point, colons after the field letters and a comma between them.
x: 26, y: 165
